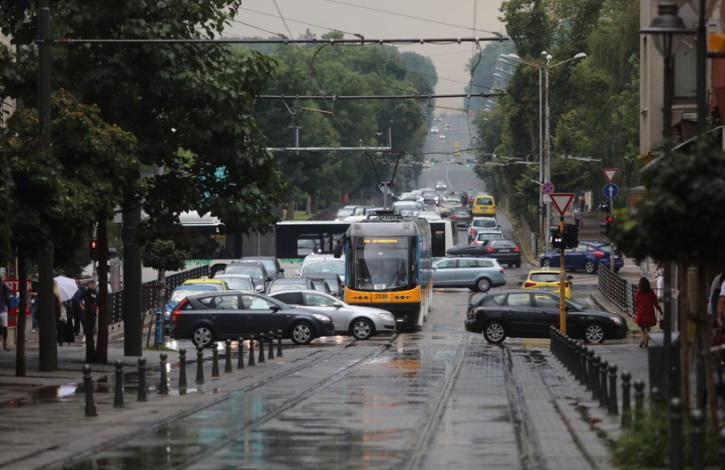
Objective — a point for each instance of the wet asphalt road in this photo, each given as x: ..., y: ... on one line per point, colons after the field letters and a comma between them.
x: 435, y: 398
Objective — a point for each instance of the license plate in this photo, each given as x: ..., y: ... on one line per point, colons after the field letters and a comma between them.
x: 504, y: 251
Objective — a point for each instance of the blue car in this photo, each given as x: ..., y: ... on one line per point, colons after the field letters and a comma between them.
x: 179, y: 294
x: 587, y: 256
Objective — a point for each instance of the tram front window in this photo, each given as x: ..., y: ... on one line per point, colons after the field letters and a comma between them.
x: 381, y: 265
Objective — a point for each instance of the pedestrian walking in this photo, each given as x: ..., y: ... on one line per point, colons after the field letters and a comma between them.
x: 77, y: 309
x: 4, y: 308
x: 645, y: 301
x: 577, y: 214
x: 581, y: 203
x: 63, y: 319
x: 90, y: 308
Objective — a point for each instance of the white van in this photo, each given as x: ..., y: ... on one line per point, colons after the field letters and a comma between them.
x: 323, y: 264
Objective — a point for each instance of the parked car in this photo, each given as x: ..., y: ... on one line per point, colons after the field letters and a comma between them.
x: 218, y: 316
x: 358, y: 321
x: 546, y: 279
x: 484, y: 235
x: 240, y: 282
x: 586, y: 256
x: 255, y: 270
x: 506, y: 251
x: 462, y: 217
x: 271, y: 264
x: 292, y: 283
x: 521, y: 313
x: 481, y: 223
x: 179, y: 294
x: 478, y: 274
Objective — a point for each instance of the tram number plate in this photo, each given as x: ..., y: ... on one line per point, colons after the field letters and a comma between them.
x: 381, y: 297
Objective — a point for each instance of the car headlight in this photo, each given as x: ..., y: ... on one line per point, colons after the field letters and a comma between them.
x: 321, y: 317
x: 617, y: 320
x: 386, y: 316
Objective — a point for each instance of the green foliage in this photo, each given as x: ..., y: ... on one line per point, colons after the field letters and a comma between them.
x: 646, y: 444
x: 683, y: 202
x: 164, y: 256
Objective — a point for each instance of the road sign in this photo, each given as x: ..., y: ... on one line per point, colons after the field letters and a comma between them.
x: 547, y: 188
x: 561, y: 201
x: 610, y: 173
x: 611, y: 190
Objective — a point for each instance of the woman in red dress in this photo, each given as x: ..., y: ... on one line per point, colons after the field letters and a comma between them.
x: 645, y: 301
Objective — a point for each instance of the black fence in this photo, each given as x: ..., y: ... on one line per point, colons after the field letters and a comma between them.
x: 617, y: 290
x: 151, y: 292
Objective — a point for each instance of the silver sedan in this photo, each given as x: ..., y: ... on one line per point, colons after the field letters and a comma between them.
x: 358, y: 321
x: 475, y: 273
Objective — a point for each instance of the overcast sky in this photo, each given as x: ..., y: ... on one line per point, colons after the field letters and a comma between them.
x: 383, y: 19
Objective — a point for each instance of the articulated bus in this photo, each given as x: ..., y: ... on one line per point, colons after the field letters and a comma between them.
x: 389, y: 266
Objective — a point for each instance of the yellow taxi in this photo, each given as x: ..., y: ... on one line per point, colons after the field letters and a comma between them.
x: 546, y: 279
x: 220, y: 284
x: 483, y: 204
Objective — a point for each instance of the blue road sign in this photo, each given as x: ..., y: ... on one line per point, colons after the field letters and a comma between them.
x: 547, y: 188
x: 611, y: 190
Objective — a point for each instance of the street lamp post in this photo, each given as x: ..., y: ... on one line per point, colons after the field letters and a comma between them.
x: 544, y: 144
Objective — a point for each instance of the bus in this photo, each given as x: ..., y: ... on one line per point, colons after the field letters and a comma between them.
x: 389, y: 265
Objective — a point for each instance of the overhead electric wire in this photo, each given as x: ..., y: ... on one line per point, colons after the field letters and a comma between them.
x: 281, y: 17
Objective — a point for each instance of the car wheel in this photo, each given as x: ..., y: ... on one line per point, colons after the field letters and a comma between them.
x: 362, y: 328
x: 202, y: 336
x: 616, y: 270
x: 590, y: 267
x: 483, y: 285
x: 495, y: 332
x: 546, y: 262
x: 301, y: 333
x: 517, y: 265
x: 594, y: 333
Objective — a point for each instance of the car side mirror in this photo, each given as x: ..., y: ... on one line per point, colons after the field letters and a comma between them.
x: 337, y: 305
x: 569, y: 276
x: 275, y: 308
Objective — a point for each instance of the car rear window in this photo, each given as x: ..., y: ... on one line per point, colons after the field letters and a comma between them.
x: 484, y: 223
x: 544, y: 277
x: 484, y: 200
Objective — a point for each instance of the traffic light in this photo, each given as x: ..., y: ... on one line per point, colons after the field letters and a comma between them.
x: 93, y: 248
x: 606, y: 226
x: 558, y: 239
x: 572, y: 236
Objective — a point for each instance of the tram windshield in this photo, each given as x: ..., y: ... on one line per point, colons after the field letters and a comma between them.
x: 382, y: 263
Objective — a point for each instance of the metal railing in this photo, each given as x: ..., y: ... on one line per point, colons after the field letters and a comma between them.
x: 617, y: 290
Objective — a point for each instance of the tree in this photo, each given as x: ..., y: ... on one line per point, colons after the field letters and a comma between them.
x: 192, y: 97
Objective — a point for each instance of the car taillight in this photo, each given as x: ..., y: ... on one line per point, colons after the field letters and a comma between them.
x: 599, y: 254
x: 529, y: 284
x: 490, y: 249
x: 177, y: 311
x: 516, y: 248
x: 502, y: 271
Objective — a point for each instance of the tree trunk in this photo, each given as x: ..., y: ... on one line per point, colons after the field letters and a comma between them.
x: 101, y: 353
x: 291, y: 207
x: 48, y: 347
x: 22, y: 308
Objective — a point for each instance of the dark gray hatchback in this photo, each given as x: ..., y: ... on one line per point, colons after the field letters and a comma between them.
x: 218, y: 316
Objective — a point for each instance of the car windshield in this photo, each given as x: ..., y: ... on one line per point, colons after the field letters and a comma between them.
x: 180, y: 294
x: 253, y: 271
x: 336, y: 266
x: 238, y: 283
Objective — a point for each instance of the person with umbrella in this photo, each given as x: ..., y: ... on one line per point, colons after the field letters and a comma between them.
x: 64, y: 321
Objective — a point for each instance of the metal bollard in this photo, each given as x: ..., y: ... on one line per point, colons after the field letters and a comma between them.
x: 279, y: 343
x: 228, y: 359
x: 697, y: 418
x: 182, y: 368
x: 163, y: 384
x: 626, y: 403
x: 141, y: 379
x: 270, y: 354
x: 590, y: 367
x: 88, y: 384
x: 261, y: 348
x: 603, y: 399
x: 583, y: 351
x: 638, y: 400
x: 552, y: 343
x: 215, y: 361
x: 251, y: 351
x: 595, y: 377
x: 676, y: 433
x: 118, y: 395
x: 613, y: 408
x: 199, y: 365
x: 240, y: 359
